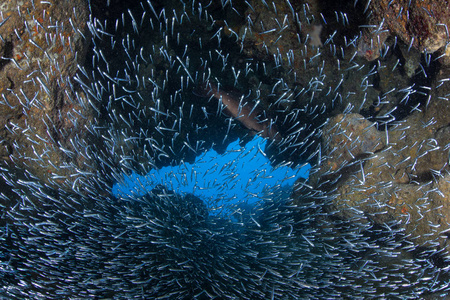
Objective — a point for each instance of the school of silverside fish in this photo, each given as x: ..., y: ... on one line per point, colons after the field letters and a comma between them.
x: 162, y: 82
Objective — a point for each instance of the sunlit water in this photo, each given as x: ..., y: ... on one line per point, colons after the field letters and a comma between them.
x: 240, y: 176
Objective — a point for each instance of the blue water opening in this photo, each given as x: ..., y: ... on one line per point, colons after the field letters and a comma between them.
x: 240, y: 176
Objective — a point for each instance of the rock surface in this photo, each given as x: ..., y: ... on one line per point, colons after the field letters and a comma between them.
x: 42, y: 111
x: 399, y: 176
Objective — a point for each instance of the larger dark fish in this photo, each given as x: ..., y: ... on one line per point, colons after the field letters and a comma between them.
x: 245, y: 112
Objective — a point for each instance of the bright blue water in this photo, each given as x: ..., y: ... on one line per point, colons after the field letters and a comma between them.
x: 239, y: 176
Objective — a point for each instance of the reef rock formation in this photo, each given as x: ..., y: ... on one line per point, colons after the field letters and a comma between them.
x: 419, y: 24
x: 42, y: 110
x: 399, y: 175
